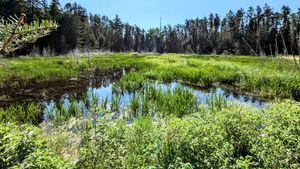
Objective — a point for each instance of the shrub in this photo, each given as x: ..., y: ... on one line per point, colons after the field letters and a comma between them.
x: 24, y: 147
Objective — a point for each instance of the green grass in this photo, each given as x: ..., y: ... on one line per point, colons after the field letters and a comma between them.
x: 158, y: 128
x: 263, y: 76
x: 259, y: 75
x: 61, y: 67
x: 25, y: 113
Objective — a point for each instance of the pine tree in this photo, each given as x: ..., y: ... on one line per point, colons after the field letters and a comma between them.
x: 117, y: 28
x: 55, y: 9
x: 15, y: 34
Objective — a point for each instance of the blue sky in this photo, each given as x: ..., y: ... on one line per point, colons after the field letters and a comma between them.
x: 146, y: 13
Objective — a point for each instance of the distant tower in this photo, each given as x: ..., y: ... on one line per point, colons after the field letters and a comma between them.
x: 160, y: 24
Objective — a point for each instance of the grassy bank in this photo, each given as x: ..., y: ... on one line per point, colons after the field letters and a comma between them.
x: 259, y: 75
x: 60, y: 67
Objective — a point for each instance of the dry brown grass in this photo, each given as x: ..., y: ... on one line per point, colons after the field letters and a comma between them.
x: 290, y: 57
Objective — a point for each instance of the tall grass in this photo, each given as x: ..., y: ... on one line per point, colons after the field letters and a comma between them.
x: 116, y: 103
x: 216, y: 102
x: 22, y: 113
x: 134, y: 105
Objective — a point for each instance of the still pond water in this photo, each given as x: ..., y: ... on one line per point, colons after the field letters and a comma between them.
x: 100, y: 84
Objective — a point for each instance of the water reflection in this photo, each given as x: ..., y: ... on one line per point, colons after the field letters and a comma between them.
x: 106, y: 97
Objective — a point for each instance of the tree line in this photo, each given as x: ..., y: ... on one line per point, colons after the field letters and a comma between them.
x: 255, y: 31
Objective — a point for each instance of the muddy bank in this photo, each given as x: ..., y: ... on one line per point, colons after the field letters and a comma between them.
x: 234, y: 90
x: 16, y: 91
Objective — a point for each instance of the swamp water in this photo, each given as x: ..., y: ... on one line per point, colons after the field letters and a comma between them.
x: 96, y: 92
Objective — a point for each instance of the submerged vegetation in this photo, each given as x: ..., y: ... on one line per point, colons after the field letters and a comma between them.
x: 146, y: 123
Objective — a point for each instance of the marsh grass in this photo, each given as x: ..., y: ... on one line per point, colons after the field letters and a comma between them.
x: 169, y: 128
x: 152, y: 99
x: 116, y: 103
x: 164, y: 102
x: 104, y: 103
x: 216, y: 102
x: 22, y: 113
x: 134, y: 105
x: 260, y: 75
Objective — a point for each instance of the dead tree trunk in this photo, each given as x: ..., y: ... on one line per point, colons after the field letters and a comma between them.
x: 251, y: 50
x: 271, y: 51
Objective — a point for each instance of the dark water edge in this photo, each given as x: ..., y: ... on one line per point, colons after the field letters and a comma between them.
x: 16, y: 91
x: 100, y: 84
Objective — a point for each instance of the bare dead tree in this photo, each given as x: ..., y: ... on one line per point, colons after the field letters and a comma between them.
x: 285, y: 51
x: 251, y: 50
x: 292, y: 48
x: 276, y: 48
x: 271, y: 51
x: 298, y: 45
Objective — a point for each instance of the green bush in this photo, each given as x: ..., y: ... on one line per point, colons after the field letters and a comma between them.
x: 237, y: 136
x: 24, y: 147
x: 44, y: 159
x: 278, y: 144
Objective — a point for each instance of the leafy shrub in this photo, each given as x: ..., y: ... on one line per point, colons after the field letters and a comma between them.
x: 103, y: 146
x: 237, y: 136
x: 196, y: 141
x: 16, y: 143
x: 24, y: 147
x: 44, y: 159
x: 277, y: 146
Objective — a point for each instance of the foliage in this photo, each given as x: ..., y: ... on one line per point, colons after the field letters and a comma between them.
x: 236, y: 137
x: 15, y: 34
x: 252, y: 31
x: 278, y: 144
x: 24, y: 147
x: 24, y: 113
x: 167, y: 128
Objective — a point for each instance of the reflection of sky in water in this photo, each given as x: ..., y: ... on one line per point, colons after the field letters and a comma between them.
x: 203, y: 95
x: 106, y: 91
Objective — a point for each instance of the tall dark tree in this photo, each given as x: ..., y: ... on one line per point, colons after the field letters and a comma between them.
x: 54, y: 11
x: 117, y: 28
x: 285, y: 30
x: 257, y: 31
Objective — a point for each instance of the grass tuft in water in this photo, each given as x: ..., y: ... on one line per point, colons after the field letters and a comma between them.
x: 216, y: 102
x: 22, y: 113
